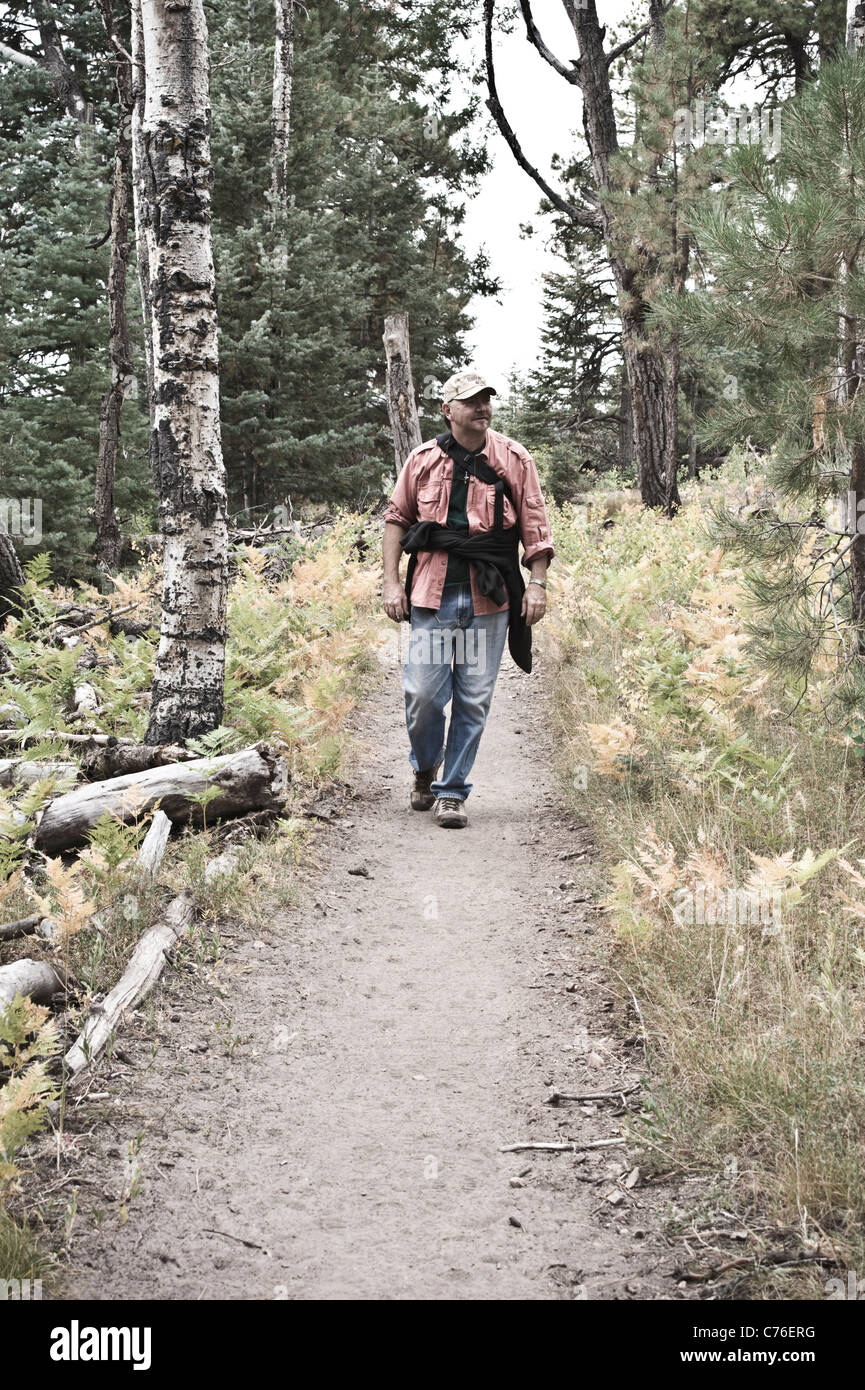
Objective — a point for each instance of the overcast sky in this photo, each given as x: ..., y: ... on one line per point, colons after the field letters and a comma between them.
x: 544, y: 110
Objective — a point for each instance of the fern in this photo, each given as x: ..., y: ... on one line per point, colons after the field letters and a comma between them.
x: 217, y: 741
x: 28, y: 1037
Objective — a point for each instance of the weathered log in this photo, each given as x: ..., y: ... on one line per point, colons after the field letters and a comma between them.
x: 118, y: 760
x: 142, y: 972
x: 253, y: 779
x: 153, y: 848
x: 34, y: 978
x: 18, y: 772
x: 46, y: 735
x: 24, y: 926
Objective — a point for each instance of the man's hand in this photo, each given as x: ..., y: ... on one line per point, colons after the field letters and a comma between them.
x: 394, y: 601
x: 534, y: 604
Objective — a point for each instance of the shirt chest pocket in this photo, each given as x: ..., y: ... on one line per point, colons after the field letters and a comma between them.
x: 509, y: 516
x: 428, y: 495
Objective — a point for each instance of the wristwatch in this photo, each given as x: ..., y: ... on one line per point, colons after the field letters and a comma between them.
x: 541, y: 582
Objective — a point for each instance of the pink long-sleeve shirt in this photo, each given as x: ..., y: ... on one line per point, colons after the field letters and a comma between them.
x: 423, y: 491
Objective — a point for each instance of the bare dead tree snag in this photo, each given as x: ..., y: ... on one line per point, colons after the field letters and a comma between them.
x: 401, y: 403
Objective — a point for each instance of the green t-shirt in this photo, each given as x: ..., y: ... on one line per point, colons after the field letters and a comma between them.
x: 458, y: 568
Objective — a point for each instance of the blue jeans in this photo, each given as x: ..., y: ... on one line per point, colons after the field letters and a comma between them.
x: 452, y: 655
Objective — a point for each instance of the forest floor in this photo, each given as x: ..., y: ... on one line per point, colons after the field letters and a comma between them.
x: 322, y: 1116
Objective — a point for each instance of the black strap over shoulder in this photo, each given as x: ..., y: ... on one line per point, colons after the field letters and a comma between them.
x: 482, y: 471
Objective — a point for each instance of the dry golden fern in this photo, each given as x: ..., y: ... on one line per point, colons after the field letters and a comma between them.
x: 66, y: 904
x: 612, y: 745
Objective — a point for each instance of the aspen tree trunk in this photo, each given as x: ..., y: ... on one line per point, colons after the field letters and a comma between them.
x: 401, y: 403
x: 109, y: 543
x: 140, y: 202
x: 283, y: 76
x: 186, y: 448
x: 280, y: 124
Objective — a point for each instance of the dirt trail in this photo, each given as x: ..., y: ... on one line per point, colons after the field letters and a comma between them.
x: 402, y: 1027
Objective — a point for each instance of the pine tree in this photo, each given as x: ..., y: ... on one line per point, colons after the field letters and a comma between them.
x: 55, y: 175
x: 784, y: 255
x: 378, y: 165
x: 375, y: 181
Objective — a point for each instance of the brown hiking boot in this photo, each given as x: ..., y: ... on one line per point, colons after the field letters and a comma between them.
x: 450, y: 813
x: 421, y: 796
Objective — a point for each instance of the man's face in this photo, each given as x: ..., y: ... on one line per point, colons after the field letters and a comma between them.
x: 473, y: 414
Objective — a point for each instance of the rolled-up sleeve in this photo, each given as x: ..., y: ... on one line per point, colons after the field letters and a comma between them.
x: 402, y: 507
x: 535, y: 529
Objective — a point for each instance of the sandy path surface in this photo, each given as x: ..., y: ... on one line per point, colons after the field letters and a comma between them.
x: 400, y: 1028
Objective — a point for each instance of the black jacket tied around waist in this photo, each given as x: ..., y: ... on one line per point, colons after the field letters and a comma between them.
x: 494, y: 553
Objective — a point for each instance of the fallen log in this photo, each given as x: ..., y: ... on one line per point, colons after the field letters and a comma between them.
x: 46, y: 736
x: 34, y: 978
x: 18, y: 772
x: 253, y: 779
x: 142, y: 972
x: 24, y: 926
x: 117, y: 760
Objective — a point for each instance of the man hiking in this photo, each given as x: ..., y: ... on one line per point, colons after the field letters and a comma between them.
x: 461, y: 504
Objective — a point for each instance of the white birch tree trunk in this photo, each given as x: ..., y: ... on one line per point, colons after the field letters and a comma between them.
x: 283, y: 76
x: 139, y: 194
x: 186, y: 447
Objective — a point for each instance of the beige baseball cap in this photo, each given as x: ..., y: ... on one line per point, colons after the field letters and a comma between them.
x: 464, y: 384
